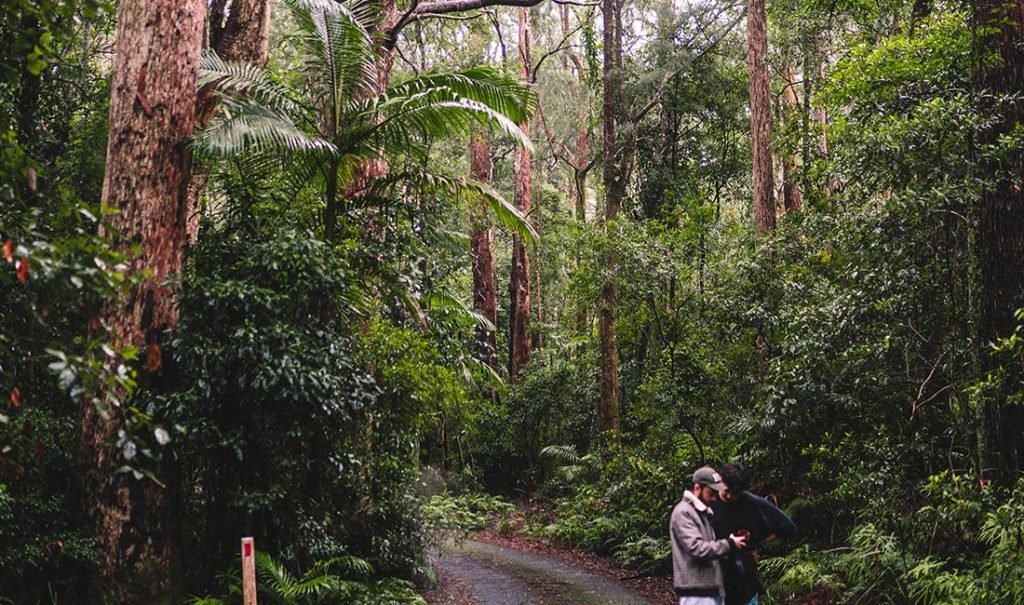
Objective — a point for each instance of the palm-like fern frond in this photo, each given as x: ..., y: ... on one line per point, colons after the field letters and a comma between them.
x: 440, y: 105
x: 432, y: 115
x: 566, y: 454
x: 274, y: 574
x: 349, y: 564
x: 339, y: 50
x: 346, y: 123
x: 252, y: 128
x: 485, y: 85
x: 574, y: 465
x: 507, y: 215
x: 444, y: 300
x: 285, y: 586
x: 242, y: 81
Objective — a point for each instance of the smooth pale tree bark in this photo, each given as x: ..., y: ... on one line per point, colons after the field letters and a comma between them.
x: 484, y: 293
x: 239, y: 31
x: 617, y: 156
x: 792, y: 199
x: 1001, y: 221
x: 760, y: 116
x: 519, y: 280
x: 152, y: 111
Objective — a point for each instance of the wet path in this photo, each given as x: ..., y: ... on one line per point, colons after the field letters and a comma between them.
x: 502, y: 576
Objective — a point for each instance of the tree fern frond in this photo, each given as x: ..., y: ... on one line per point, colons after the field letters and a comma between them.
x: 565, y: 454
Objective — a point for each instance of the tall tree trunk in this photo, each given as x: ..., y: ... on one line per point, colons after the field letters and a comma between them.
x: 792, y: 199
x: 1001, y: 226
x: 239, y: 32
x: 537, y: 295
x: 519, y: 281
x: 484, y: 295
x: 614, y: 177
x: 760, y: 116
x: 151, y: 117
x: 581, y: 170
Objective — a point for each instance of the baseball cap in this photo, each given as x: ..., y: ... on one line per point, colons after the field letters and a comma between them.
x: 706, y: 475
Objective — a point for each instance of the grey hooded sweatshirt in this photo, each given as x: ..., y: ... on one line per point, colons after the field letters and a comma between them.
x: 695, y: 551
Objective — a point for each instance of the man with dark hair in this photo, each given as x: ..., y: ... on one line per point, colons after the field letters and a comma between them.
x: 739, y: 512
x: 696, y: 573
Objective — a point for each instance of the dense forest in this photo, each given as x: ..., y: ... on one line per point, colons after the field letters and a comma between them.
x: 338, y: 274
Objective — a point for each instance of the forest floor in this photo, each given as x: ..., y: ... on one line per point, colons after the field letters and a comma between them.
x: 492, y: 569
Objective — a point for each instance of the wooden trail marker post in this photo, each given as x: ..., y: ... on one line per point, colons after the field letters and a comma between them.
x: 248, y: 572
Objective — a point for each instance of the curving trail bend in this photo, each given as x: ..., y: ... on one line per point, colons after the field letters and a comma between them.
x: 496, y: 575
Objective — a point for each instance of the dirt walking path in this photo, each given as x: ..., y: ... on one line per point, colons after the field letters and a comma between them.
x: 496, y: 575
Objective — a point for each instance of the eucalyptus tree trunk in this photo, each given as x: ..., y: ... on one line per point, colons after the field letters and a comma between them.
x: 614, y: 178
x: 1001, y: 226
x: 484, y: 293
x: 519, y: 280
x: 239, y: 30
x: 146, y: 180
x: 792, y: 199
x: 760, y: 116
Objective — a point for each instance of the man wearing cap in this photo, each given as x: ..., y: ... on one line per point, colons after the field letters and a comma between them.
x: 696, y: 573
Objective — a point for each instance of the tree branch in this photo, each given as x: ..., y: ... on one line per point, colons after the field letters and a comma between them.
x: 561, y: 46
x: 420, y: 10
x: 392, y: 38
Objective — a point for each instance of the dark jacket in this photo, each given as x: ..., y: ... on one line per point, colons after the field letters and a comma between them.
x: 762, y: 519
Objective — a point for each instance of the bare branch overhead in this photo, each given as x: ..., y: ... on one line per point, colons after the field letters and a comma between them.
x: 420, y: 10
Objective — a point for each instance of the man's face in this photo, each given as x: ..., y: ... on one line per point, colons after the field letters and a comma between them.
x: 705, y: 493
x: 727, y: 495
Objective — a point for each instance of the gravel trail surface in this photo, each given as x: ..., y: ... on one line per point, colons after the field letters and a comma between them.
x: 496, y: 575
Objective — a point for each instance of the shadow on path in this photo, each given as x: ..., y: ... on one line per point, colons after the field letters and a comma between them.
x: 502, y: 576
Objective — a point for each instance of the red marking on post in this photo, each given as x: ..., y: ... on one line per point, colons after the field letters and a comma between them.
x: 248, y: 549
